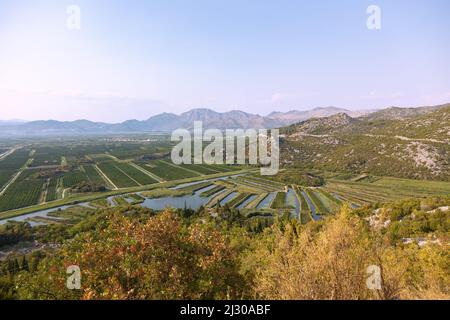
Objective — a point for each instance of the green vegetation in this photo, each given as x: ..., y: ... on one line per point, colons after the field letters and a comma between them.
x: 121, y: 201
x: 73, y: 199
x: 226, y: 255
x: 135, y: 174
x: 25, y: 191
x: 168, y: 171
x: 305, y: 213
x: 100, y: 203
x: 88, y: 187
x: 93, y: 175
x: 298, y: 177
x: 317, y: 201
x: 74, y: 178
x: 219, y: 251
x: 279, y: 202
x: 212, y: 191
x: 72, y: 214
x: 236, y: 201
x: 11, y: 164
x: 52, y: 189
x: 163, y: 192
x: 370, y: 147
x: 116, y: 174
x: 386, y: 189
x: 200, y: 169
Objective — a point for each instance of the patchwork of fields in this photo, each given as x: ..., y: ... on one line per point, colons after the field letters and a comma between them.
x: 31, y: 176
x: 36, y: 175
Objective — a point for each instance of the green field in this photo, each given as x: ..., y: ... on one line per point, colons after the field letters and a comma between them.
x: 137, y: 175
x: 25, y: 191
x: 279, y: 202
x: 92, y: 174
x: 52, y: 189
x: 74, y: 177
x: 11, y: 164
x: 212, y: 191
x: 386, y: 189
x: 241, y: 197
x: 56, y: 168
x: 305, y: 213
x: 119, y: 177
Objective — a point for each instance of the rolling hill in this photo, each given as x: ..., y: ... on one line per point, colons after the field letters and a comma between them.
x: 165, y: 122
x: 362, y: 121
x: 416, y: 147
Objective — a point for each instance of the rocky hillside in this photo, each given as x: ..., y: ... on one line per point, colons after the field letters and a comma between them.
x: 320, y: 126
x: 417, y: 147
x: 396, y: 113
x: 296, y: 116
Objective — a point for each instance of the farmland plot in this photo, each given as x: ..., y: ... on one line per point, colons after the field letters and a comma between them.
x: 48, y: 156
x: 93, y: 175
x: 305, y: 213
x: 204, y: 170
x: 327, y: 200
x: 168, y: 171
x: 52, y: 189
x: 134, y: 173
x: 117, y: 176
x: 73, y: 178
x: 11, y: 164
x: 316, y: 200
x: 25, y: 191
x: 386, y: 189
x: 280, y: 201
x: 212, y: 191
x: 240, y: 198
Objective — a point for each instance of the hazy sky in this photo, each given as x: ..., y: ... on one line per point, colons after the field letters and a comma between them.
x: 133, y: 59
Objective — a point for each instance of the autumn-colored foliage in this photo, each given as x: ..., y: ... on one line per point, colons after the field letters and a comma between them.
x: 131, y: 253
x: 159, y: 259
x: 332, y: 264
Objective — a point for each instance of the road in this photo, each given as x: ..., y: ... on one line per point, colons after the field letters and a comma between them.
x: 2, y: 192
x: 7, y: 153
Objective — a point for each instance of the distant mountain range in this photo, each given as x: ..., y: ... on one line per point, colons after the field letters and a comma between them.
x: 297, y: 116
x: 13, y: 122
x: 167, y: 122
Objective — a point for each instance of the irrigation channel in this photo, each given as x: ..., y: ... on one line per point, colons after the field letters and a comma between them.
x: 193, y: 201
x: 311, y: 206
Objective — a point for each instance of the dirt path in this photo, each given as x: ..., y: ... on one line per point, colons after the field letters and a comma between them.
x: 404, y: 138
x: 2, y: 192
x: 64, y: 192
x: 7, y: 153
x: 43, y: 196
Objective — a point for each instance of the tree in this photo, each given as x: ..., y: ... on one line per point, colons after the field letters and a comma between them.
x: 158, y: 259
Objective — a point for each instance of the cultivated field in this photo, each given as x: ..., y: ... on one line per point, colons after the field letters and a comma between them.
x: 44, y: 175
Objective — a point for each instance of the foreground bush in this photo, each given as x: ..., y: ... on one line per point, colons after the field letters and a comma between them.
x: 331, y: 263
x: 160, y: 259
x: 131, y: 253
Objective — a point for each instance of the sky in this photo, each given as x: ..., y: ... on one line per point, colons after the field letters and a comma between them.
x: 135, y: 59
